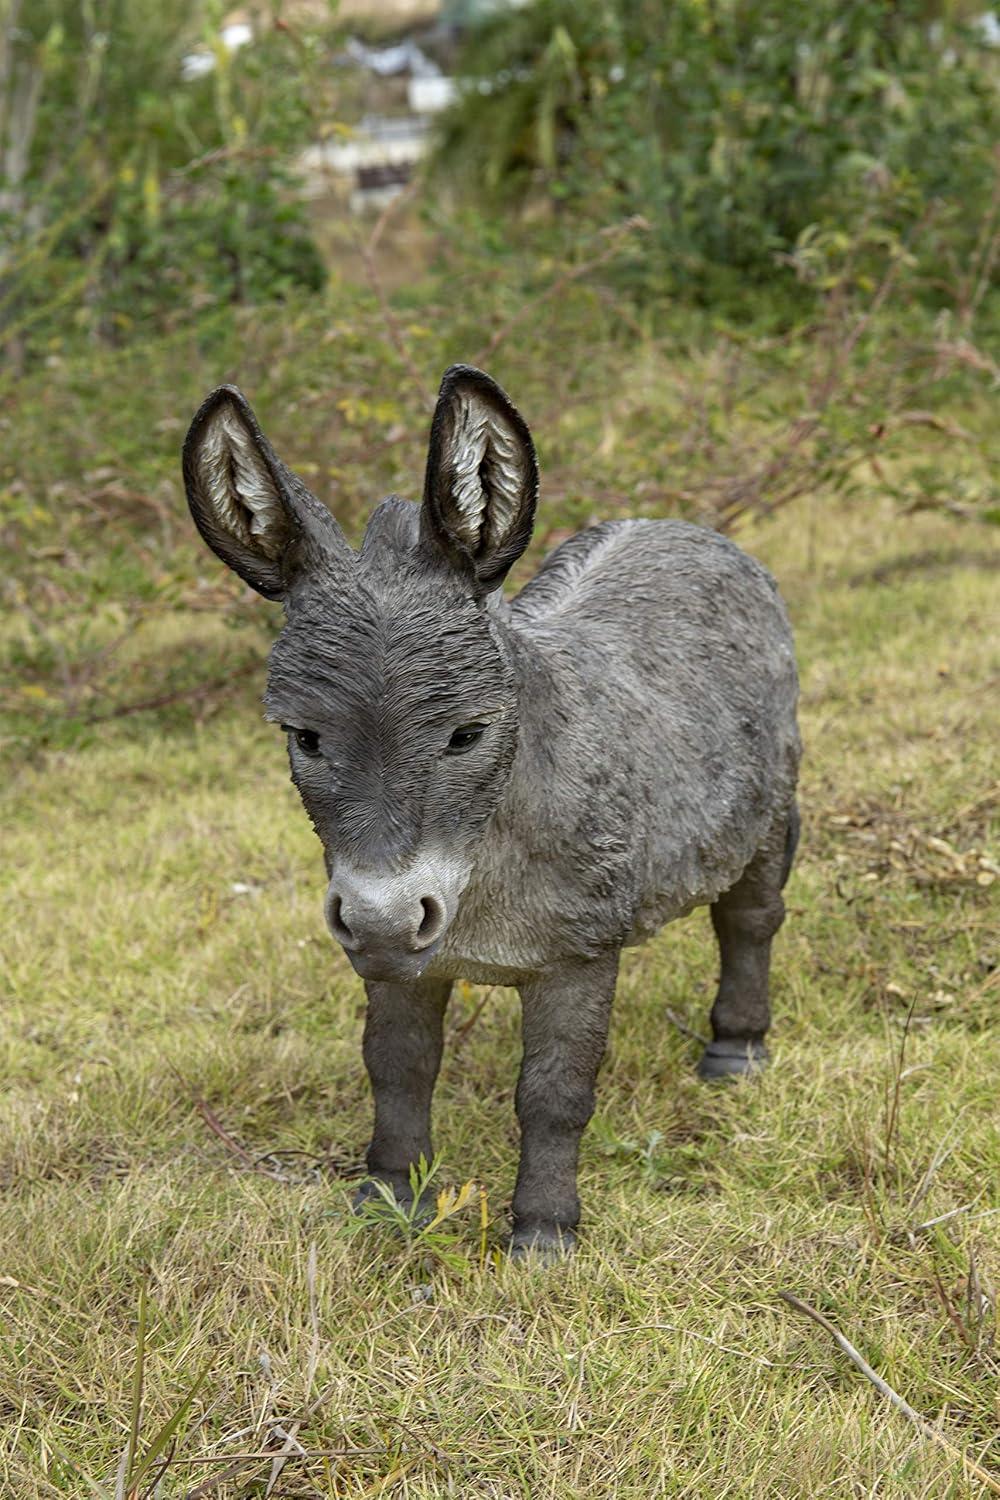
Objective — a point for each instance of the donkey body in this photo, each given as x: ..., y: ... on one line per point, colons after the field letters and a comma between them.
x: 511, y: 792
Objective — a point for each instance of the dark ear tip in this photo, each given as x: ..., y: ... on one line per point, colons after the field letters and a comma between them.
x: 469, y: 375
x: 223, y: 395
x: 486, y: 387
x: 479, y: 381
x: 456, y: 372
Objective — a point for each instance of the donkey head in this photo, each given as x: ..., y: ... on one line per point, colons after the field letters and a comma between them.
x: 389, y: 677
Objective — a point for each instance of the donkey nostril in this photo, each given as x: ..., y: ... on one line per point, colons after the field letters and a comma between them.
x: 338, y: 925
x: 431, y: 923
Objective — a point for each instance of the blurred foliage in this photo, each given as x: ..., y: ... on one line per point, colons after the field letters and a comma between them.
x: 131, y: 190
x: 736, y: 127
x: 150, y: 224
x: 113, y: 608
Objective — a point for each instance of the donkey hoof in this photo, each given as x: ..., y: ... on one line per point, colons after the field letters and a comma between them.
x: 542, y: 1243
x: 733, y: 1058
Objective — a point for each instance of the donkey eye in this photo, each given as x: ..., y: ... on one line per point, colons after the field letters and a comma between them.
x: 306, y: 739
x: 464, y: 737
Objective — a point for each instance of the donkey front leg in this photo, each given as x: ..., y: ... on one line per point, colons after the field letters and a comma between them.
x: 565, y: 1014
x: 745, y: 919
x: 404, y: 1030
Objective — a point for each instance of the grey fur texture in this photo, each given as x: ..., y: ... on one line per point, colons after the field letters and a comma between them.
x: 511, y: 792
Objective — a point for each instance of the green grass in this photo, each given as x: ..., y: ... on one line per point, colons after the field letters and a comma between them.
x: 167, y: 971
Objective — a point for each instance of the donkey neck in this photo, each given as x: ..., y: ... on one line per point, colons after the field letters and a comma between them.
x: 550, y: 706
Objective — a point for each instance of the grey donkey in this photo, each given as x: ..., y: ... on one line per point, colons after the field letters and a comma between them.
x: 512, y: 791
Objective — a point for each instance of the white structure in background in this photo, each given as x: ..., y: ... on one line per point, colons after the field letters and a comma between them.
x: 427, y: 90
x: 389, y: 62
x: 378, y: 156
x: 426, y: 95
x: 199, y: 64
x: 381, y: 153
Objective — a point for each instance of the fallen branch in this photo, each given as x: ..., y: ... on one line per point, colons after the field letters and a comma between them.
x: 163, y: 700
x: 920, y: 1422
x: 215, y: 1125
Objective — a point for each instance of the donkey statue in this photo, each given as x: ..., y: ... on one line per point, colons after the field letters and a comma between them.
x: 511, y: 791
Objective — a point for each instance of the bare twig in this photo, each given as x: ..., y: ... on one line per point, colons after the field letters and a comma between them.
x: 684, y: 1028
x: 953, y: 1214
x: 230, y: 1142
x: 951, y: 1312
x: 616, y: 234
x: 689, y: 1333
x: 920, y: 1422
x: 163, y: 700
x: 215, y: 1125
x: 368, y: 252
x: 460, y: 1034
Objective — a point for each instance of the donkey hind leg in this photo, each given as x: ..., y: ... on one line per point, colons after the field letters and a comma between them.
x: 745, y: 919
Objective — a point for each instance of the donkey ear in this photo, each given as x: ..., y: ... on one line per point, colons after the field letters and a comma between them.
x: 248, y: 507
x: 482, y: 477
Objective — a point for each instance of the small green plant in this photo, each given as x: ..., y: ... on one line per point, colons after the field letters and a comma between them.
x: 422, y: 1226
x: 646, y: 1153
x: 143, y: 1462
x: 662, y: 1164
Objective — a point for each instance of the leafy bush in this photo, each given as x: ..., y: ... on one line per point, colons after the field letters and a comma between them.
x: 734, y: 127
x: 129, y: 191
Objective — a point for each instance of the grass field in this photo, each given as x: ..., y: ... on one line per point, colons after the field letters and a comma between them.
x: 184, y: 1106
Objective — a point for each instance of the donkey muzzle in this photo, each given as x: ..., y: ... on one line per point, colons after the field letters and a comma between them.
x: 389, y: 925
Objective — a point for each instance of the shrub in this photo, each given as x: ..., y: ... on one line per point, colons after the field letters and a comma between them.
x: 131, y: 192
x: 734, y: 126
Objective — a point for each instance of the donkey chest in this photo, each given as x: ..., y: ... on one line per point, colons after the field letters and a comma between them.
x: 527, y: 906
